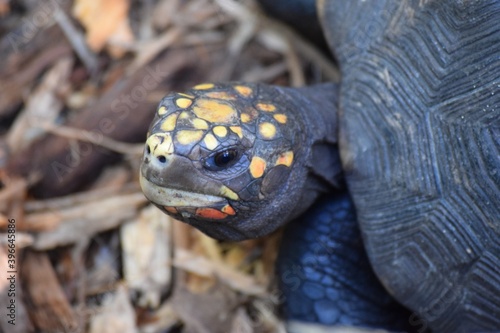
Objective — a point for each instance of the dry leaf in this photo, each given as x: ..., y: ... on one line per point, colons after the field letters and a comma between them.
x: 105, y: 21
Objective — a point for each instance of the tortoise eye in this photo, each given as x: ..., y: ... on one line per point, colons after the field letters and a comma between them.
x: 222, y: 159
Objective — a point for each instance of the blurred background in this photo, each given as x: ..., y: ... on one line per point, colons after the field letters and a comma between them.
x: 81, y: 249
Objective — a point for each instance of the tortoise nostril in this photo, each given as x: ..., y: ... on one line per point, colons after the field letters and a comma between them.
x: 148, y: 150
x: 162, y: 159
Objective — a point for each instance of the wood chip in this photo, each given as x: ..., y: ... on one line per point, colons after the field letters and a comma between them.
x: 42, y: 107
x: 72, y: 224
x: 204, y: 267
x: 48, y: 306
x: 116, y: 315
x: 146, y: 244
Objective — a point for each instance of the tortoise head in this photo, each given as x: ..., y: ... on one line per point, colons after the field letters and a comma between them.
x: 228, y: 159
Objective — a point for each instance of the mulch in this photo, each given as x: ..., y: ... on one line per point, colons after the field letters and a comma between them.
x: 81, y: 249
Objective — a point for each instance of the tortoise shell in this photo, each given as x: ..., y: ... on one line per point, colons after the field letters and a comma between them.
x: 420, y: 147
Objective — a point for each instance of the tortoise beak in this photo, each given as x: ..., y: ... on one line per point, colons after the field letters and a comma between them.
x: 179, y: 189
x: 171, y: 197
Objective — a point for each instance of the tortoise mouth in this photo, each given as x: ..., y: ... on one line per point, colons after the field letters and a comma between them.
x: 187, y: 205
x: 172, y: 197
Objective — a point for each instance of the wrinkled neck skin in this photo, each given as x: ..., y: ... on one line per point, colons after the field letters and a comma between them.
x: 322, y: 171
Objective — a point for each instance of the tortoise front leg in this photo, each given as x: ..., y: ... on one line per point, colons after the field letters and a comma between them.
x: 325, y: 275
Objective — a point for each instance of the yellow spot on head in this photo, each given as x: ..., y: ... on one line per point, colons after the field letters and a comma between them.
x: 200, y: 124
x: 245, y: 117
x: 162, y: 110
x: 186, y: 95
x: 204, y: 86
x: 280, y: 118
x: 228, y: 193
x: 243, y: 90
x: 267, y: 130
x: 220, y: 95
x: 228, y: 210
x: 214, y: 111
x: 220, y: 131
x: 266, y: 107
x: 237, y: 130
x: 210, y: 141
x: 184, y: 115
x: 168, y: 123
x: 211, y: 213
x: 285, y: 159
x: 160, y: 144
x: 257, y: 167
x: 187, y: 137
x: 183, y: 102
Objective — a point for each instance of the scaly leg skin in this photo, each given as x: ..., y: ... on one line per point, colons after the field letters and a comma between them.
x: 325, y: 275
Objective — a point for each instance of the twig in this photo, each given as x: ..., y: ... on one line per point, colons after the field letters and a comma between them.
x: 77, y: 40
x: 87, y: 136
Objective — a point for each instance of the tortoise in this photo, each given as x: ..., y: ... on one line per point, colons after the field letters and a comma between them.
x: 406, y: 147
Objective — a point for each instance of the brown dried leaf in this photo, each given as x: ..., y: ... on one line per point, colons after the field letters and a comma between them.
x: 46, y: 301
x: 105, y: 21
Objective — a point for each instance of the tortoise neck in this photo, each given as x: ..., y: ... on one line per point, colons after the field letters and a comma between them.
x: 318, y: 107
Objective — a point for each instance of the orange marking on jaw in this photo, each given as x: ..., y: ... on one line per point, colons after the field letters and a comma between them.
x: 266, y: 107
x: 204, y: 86
x: 257, y: 167
x: 228, y: 210
x: 244, y: 91
x: 280, y: 118
x: 183, y: 103
x: 285, y: 159
x: 171, y: 210
x: 211, y: 213
x: 214, y: 111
